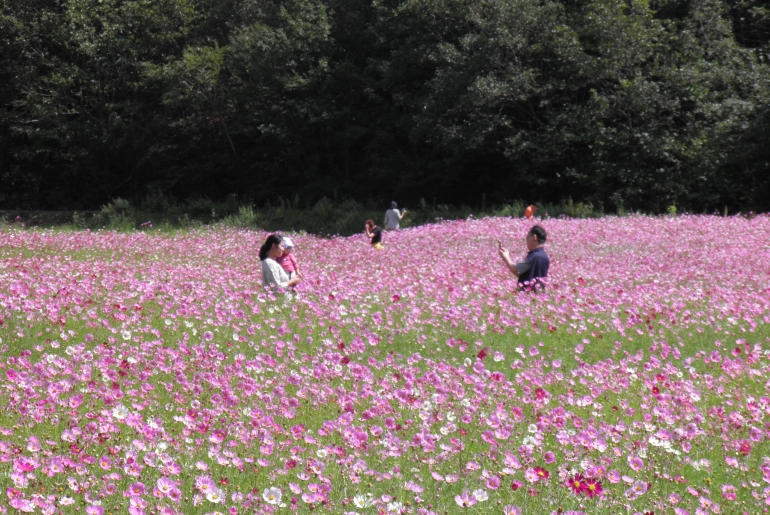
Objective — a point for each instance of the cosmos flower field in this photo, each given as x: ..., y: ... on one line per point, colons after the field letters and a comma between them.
x: 149, y: 373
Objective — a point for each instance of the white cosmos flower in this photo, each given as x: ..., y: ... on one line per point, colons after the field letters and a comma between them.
x: 272, y: 495
x: 66, y: 501
x: 363, y: 501
x: 480, y: 495
x: 215, y: 495
x: 126, y: 335
x: 120, y: 412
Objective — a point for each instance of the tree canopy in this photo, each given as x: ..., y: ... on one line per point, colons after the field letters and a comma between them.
x: 635, y: 104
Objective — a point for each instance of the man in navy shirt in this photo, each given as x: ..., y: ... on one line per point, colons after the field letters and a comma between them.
x: 534, y: 268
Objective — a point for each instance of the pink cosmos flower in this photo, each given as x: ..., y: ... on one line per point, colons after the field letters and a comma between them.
x: 163, y: 486
x: 465, y: 500
x: 33, y: 444
x: 204, y: 484
x: 218, y: 436
x: 25, y: 464
x: 635, y: 462
x: 593, y: 487
x: 531, y: 476
x: 175, y: 494
x: 21, y: 504
x: 136, y: 489
x: 413, y: 487
x: 729, y: 492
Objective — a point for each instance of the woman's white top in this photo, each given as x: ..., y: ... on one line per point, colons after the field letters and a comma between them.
x: 392, y: 219
x: 273, y: 274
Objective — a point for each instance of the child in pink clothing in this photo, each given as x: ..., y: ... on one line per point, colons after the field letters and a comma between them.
x: 287, y: 261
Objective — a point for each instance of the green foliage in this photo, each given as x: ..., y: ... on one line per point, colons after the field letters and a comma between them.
x: 325, y: 217
x: 625, y: 105
x: 78, y: 221
x: 245, y: 217
x: 118, y: 214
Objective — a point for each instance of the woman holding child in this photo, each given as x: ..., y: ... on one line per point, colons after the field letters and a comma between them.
x: 273, y: 275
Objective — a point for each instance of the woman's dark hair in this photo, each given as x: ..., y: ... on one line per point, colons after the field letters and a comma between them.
x: 371, y: 224
x: 271, y: 240
x: 538, y: 232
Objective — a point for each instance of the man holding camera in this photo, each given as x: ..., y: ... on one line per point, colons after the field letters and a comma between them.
x: 534, y: 268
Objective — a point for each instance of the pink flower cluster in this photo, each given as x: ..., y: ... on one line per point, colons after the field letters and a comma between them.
x: 152, y: 373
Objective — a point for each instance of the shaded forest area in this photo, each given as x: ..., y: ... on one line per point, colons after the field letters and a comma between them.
x: 626, y: 104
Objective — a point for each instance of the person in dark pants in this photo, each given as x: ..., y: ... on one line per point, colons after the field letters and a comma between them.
x: 534, y: 268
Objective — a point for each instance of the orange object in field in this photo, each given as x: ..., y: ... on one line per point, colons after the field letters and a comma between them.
x: 530, y: 211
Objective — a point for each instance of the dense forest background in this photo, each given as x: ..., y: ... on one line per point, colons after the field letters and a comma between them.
x: 626, y: 104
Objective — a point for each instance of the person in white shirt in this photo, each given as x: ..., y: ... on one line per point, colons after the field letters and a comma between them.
x: 273, y: 274
x: 393, y: 217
